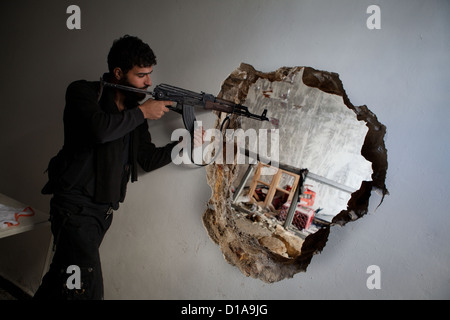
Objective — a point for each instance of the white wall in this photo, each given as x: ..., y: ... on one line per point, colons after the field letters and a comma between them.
x: 157, y: 247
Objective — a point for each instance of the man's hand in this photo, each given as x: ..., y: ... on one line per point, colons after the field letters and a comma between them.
x: 154, y: 109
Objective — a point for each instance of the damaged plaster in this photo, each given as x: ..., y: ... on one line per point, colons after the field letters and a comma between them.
x: 320, y: 130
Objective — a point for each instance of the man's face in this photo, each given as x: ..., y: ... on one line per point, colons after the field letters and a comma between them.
x: 138, y: 77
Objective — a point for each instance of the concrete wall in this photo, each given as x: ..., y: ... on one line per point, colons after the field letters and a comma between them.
x: 157, y: 247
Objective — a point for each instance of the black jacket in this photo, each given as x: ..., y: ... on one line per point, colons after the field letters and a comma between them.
x: 102, y: 146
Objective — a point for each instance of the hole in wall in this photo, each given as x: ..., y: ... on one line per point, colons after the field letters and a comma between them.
x: 329, y: 151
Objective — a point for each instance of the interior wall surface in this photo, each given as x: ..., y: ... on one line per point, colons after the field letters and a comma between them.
x: 157, y: 247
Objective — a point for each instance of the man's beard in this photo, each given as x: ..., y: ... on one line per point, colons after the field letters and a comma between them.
x: 132, y: 99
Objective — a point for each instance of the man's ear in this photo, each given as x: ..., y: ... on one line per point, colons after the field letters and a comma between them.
x: 118, y: 74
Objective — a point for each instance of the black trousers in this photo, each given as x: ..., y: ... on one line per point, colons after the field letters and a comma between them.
x: 78, y: 231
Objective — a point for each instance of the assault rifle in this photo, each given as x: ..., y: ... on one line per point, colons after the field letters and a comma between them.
x: 187, y: 100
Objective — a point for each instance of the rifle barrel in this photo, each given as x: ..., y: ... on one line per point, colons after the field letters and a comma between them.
x: 127, y: 88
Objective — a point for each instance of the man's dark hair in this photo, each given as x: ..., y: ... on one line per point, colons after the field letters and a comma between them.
x: 128, y: 52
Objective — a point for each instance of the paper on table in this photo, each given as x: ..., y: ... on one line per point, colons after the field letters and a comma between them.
x: 9, y: 216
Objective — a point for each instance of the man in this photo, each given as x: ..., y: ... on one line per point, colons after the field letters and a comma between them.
x: 105, y: 137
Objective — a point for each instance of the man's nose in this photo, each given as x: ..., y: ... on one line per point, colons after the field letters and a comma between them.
x: 148, y: 81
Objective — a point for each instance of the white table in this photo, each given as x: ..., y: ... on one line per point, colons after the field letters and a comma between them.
x: 39, y: 219
x: 27, y: 223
